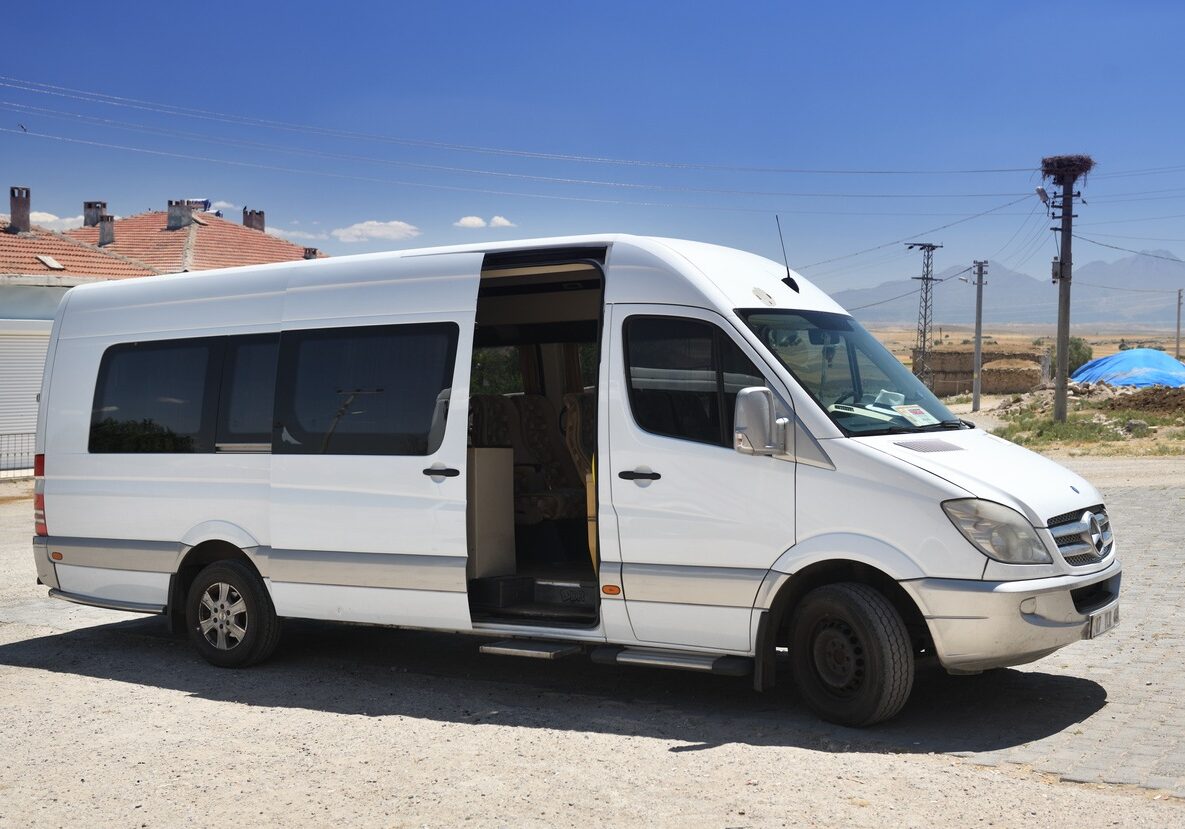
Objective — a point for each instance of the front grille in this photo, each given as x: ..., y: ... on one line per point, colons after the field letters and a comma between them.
x: 1080, y: 540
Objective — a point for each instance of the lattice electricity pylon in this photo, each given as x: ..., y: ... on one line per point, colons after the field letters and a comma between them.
x: 925, y: 342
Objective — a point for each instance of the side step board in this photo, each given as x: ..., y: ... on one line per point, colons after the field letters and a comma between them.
x: 530, y: 648
x: 709, y: 663
x: 704, y: 662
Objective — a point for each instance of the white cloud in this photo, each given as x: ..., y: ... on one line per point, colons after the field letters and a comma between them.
x: 501, y: 221
x: 366, y: 231
x: 471, y: 222
x: 296, y: 235
x: 223, y: 205
x: 49, y: 220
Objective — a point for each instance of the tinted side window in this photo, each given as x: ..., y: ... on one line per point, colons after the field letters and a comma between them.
x: 374, y: 390
x: 684, y: 376
x: 156, y: 397
x: 737, y: 372
x: 248, y: 390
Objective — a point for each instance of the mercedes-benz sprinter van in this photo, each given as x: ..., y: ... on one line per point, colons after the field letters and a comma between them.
x: 663, y: 452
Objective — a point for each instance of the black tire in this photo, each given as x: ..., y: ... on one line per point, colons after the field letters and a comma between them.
x: 230, y: 617
x: 852, y: 659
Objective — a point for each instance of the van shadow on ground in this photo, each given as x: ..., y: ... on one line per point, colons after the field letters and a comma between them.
x: 378, y: 672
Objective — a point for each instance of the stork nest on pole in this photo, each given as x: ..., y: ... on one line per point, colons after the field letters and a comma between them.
x: 1066, y: 169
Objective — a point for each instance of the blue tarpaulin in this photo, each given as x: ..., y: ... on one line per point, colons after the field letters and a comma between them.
x: 1134, y: 367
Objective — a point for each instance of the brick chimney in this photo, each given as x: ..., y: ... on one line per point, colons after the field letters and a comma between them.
x: 18, y: 209
x: 106, y: 229
x: 310, y: 253
x: 91, y: 211
x: 180, y: 213
x: 253, y: 219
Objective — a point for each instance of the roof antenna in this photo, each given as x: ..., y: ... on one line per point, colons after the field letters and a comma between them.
x: 789, y: 280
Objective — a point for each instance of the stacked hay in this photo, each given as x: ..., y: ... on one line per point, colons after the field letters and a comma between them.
x: 1009, y: 371
x: 1010, y: 376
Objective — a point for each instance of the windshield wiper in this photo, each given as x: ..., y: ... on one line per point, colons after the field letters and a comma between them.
x: 943, y: 424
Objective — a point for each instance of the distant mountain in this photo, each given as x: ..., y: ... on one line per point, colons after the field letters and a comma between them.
x: 1011, y: 297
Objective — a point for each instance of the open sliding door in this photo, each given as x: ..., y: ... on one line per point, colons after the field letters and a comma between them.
x: 369, y: 445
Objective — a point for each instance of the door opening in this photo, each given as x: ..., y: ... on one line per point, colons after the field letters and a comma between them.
x: 532, y: 441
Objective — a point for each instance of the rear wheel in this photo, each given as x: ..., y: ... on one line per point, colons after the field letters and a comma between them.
x: 853, y: 663
x: 230, y: 617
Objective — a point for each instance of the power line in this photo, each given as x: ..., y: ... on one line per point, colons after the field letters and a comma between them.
x: 1024, y: 223
x: 913, y: 235
x: 443, y: 168
x: 1036, y: 248
x: 452, y: 188
x: 1029, y: 244
x: 190, y: 112
x: 885, y: 301
x: 1128, y: 290
x: 1128, y: 221
x: 1129, y: 250
x: 1144, y: 238
x: 1146, y: 171
x: 908, y: 293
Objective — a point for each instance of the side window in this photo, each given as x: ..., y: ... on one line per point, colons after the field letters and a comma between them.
x: 738, y: 373
x: 374, y: 390
x: 684, y: 376
x: 248, y: 390
x: 156, y: 397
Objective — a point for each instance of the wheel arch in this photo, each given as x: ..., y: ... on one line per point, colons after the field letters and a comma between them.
x: 774, y: 624
x: 192, y: 561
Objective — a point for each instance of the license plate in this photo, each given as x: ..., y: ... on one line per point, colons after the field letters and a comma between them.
x: 1103, y: 620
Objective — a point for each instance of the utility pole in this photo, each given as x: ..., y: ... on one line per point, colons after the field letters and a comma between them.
x: 922, y: 348
x: 980, y: 269
x: 1179, y: 292
x: 1064, y: 170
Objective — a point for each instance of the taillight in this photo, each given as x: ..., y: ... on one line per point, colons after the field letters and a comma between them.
x: 39, y: 526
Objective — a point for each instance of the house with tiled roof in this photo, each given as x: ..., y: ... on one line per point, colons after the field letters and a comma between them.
x: 187, y: 238
x: 38, y: 266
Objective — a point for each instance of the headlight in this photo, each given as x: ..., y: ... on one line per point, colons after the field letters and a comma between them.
x: 997, y: 531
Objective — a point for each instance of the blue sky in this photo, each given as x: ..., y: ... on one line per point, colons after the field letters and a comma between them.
x: 381, y: 97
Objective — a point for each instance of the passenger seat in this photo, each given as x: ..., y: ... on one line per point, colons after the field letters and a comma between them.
x: 557, y: 490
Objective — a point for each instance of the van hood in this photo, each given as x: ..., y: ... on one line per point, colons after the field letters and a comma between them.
x: 995, y: 469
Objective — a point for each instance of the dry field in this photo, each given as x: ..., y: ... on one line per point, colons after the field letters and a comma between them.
x: 900, y: 338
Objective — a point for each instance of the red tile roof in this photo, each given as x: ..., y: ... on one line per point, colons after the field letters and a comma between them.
x: 209, y: 242
x: 19, y: 252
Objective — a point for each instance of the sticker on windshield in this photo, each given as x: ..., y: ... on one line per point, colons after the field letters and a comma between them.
x: 915, y: 414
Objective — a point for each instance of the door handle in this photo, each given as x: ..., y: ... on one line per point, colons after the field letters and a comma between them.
x: 442, y: 472
x: 630, y: 475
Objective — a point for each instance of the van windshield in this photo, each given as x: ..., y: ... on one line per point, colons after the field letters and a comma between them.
x: 861, y: 386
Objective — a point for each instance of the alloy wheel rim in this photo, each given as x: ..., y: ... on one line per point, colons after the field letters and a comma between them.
x: 222, y: 616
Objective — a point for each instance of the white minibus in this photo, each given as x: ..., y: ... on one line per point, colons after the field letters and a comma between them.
x: 657, y: 452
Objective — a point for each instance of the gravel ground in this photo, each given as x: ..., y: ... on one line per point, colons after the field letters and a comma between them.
x: 107, y: 720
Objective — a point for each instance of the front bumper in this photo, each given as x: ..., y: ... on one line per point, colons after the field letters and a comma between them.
x: 978, y: 625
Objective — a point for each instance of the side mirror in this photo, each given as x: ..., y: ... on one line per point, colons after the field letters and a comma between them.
x: 757, y: 429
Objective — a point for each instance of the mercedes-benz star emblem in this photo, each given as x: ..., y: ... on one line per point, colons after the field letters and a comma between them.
x: 1094, y: 530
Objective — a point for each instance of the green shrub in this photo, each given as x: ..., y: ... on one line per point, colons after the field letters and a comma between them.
x: 1080, y: 354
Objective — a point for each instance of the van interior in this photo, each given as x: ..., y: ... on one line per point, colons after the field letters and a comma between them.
x: 532, y: 439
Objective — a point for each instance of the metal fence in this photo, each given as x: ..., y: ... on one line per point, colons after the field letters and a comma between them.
x: 16, y: 455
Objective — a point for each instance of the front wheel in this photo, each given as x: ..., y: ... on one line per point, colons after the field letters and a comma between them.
x: 853, y: 664
x: 230, y: 617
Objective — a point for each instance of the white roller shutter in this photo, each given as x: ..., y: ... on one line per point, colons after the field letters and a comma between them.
x: 22, y: 358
